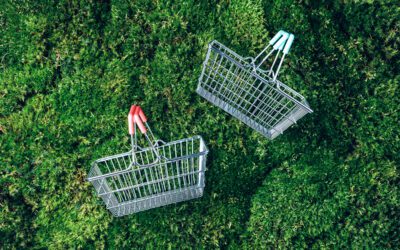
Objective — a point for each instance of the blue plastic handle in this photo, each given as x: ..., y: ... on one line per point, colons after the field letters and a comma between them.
x: 288, y: 44
x: 281, y: 47
x: 276, y: 37
x: 281, y: 40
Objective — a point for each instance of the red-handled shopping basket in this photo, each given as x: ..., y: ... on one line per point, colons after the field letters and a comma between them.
x: 153, y: 176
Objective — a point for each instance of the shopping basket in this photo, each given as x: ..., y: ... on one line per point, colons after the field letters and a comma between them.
x: 255, y: 96
x: 157, y: 175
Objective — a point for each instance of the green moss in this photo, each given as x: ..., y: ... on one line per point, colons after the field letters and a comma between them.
x: 70, y: 70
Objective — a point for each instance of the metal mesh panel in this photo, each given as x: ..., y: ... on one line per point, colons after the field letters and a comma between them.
x: 248, y: 93
x: 130, y: 183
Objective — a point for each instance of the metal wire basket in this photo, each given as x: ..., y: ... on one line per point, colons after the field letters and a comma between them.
x: 145, y: 178
x: 255, y: 96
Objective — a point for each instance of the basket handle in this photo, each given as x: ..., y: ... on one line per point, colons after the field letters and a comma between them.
x: 276, y: 37
x: 288, y: 44
x: 139, y: 118
x: 130, y: 120
x: 281, y: 40
x: 136, y: 116
x: 277, y: 43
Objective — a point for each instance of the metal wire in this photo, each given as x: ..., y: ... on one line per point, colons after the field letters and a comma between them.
x: 249, y: 93
x: 146, y: 178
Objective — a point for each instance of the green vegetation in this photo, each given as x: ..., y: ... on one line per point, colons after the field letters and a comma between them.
x: 69, y: 72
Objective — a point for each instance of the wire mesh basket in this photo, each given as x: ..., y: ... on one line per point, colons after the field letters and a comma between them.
x: 255, y: 96
x: 157, y: 175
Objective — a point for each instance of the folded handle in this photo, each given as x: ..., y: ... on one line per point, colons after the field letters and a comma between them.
x: 136, y: 116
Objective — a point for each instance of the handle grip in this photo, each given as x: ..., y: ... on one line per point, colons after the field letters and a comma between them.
x: 288, y: 44
x: 130, y: 120
x: 142, y: 116
x: 136, y: 116
x: 281, y: 47
x: 138, y: 120
x: 281, y: 40
x: 276, y: 37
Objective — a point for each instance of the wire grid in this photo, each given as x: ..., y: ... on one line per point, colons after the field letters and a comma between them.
x: 128, y: 187
x: 232, y: 83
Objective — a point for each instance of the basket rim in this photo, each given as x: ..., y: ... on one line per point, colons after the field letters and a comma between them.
x: 128, y: 169
x: 259, y: 74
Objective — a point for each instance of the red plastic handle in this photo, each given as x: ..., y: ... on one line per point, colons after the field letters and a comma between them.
x: 136, y: 116
x: 139, y: 118
x: 141, y: 114
x: 130, y: 119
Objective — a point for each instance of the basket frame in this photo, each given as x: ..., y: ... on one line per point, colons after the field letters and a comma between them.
x: 118, y: 208
x: 246, y: 65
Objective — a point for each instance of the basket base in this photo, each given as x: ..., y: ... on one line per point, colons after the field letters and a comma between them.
x: 269, y: 133
x: 157, y: 201
x: 234, y: 112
